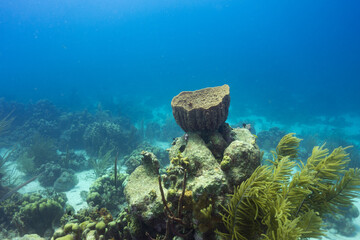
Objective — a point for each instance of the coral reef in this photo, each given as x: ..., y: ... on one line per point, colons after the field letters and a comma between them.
x: 97, y: 224
x: 49, y: 173
x: 267, y: 140
x: 342, y: 221
x: 178, y: 194
x: 66, y: 181
x: 53, y: 175
x: 133, y: 160
x: 108, y: 135
x: 42, y: 150
x: 205, y: 175
x: 74, y: 160
x: 43, y: 119
x: 33, y: 212
x: 74, y: 126
x: 68, y: 130
x: 239, y: 161
x: 104, y: 194
x: 29, y: 237
x: 202, y: 110
x: 194, y: 185
x: 165, y: 132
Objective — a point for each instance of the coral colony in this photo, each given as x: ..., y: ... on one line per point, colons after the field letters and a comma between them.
x: 212, y: 183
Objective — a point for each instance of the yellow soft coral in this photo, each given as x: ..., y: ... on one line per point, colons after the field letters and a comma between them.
x: 179, y: 160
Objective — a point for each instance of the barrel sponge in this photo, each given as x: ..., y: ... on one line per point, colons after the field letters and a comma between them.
x: 204, y: 110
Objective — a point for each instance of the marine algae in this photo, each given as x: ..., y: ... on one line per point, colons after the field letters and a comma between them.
x: 276, y: 204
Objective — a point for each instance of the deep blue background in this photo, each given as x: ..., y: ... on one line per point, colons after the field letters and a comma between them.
x: 282, y: 59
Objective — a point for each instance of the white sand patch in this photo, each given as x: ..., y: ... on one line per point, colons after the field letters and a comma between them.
x: 17, y: 177
x: 86, y: 178
x: 162, y: 145
x: 3, y: 151
x: 332, y: 234
x: 32, y: 187
x: 83, y: 153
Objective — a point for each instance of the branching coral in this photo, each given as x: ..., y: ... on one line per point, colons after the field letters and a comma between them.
x: 274, y: 204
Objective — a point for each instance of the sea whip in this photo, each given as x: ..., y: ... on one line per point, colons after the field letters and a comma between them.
x: 11, y: 192
x: 115, y: 169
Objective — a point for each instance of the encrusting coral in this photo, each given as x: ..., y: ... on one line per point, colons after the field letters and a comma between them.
x: 276, y: 204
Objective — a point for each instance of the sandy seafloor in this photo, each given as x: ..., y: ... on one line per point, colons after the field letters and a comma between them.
x: 331, y: 234
x: 86, y: 178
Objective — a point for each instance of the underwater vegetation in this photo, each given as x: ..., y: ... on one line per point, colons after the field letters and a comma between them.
x: 274, y: 203
x: 101, y: 163
x: 42, y: 150
x: 210, y: 184
x: 333, y: 139
x: 5, y: 123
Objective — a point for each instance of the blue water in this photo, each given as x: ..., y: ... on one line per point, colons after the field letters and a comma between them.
x: 290, y: 60
x: 293, y: 64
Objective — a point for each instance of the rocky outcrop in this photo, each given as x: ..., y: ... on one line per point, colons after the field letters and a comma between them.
x: 143, y: 194
x: 240, y: 160
x: 204, y: 174
x: 204, y: 110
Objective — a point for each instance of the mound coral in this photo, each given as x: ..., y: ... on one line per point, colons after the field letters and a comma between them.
x: 37, y: 213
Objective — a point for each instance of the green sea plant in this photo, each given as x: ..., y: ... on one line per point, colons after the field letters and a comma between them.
x: 275, y: 203
x: 5, y: 123
x: 102, y: 162
x: 288, y: 146
x: 7, y: 176
x: 42, y: 150
x: 206, y: 212
x: 26, y: 163
x: 5, y: 157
